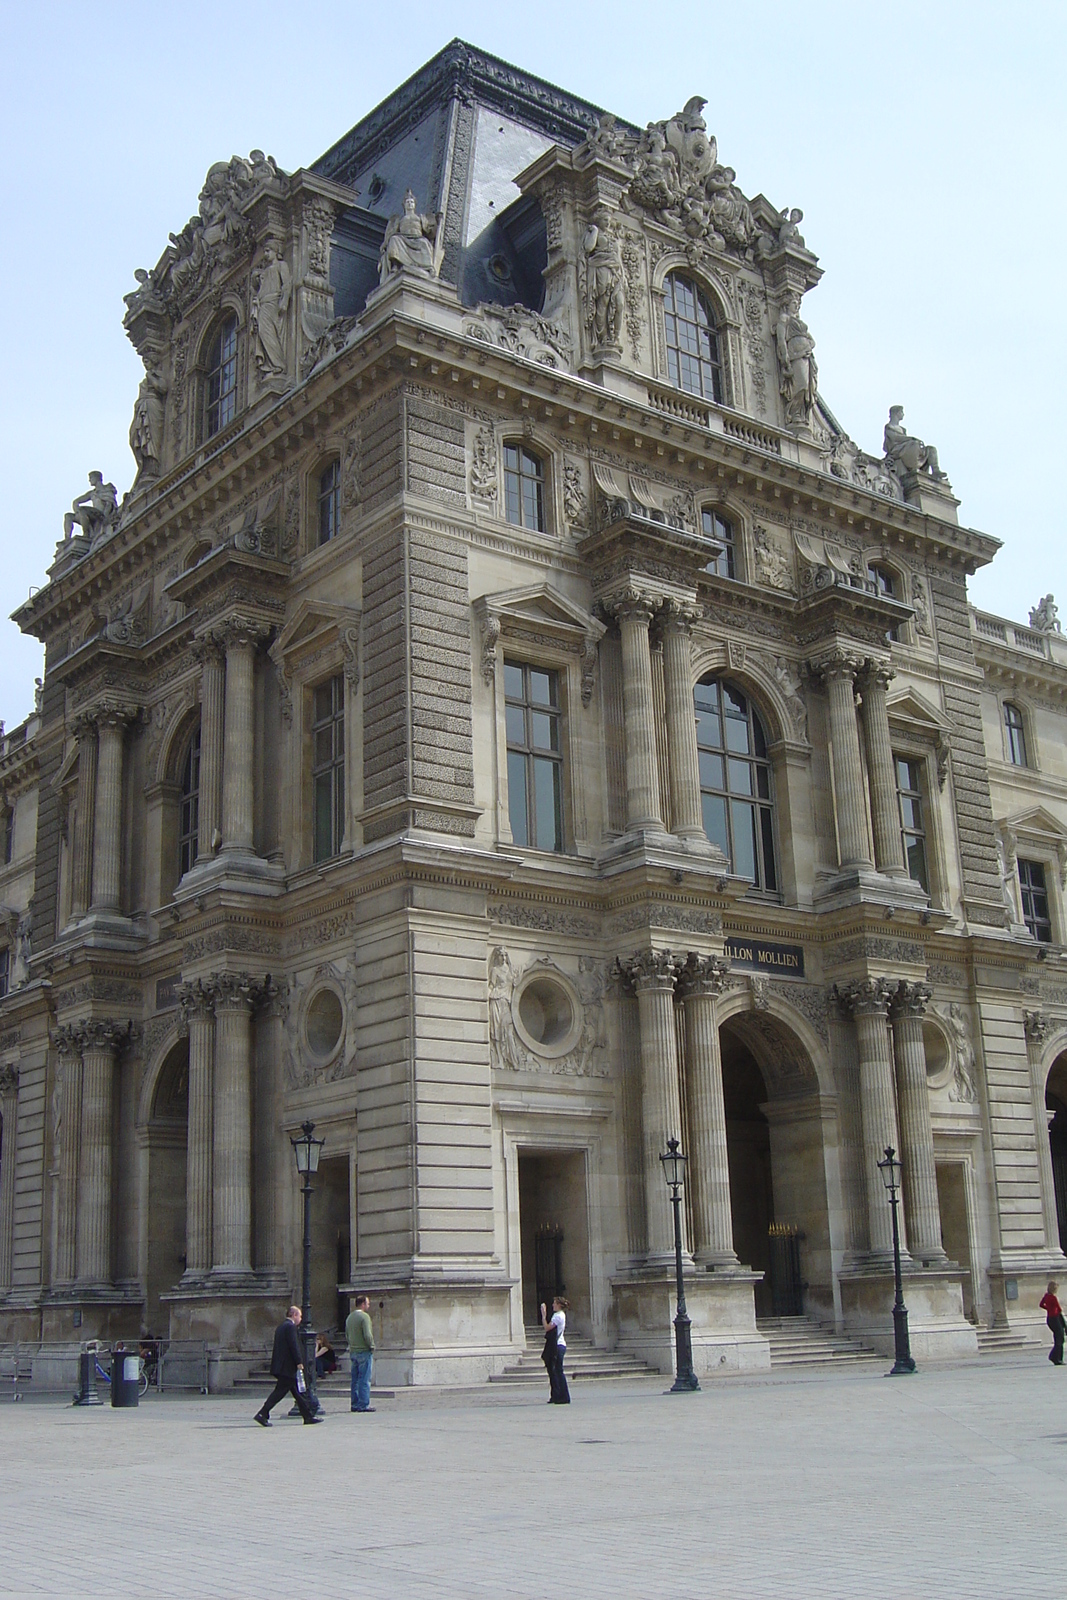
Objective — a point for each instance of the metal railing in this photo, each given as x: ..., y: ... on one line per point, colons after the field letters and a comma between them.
x: 170, y: 1364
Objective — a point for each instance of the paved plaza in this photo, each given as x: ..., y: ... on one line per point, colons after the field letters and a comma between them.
x: 840, y: 1486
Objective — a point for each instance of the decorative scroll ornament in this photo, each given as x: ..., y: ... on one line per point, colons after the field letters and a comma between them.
x: 522, y: 333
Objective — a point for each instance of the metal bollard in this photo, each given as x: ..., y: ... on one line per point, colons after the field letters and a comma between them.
x: 87, y: 1395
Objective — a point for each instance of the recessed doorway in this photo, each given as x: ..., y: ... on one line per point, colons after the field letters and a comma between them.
x: 554, y: 1232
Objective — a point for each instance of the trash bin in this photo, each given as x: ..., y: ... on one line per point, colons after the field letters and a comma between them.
x: 125, y: 1378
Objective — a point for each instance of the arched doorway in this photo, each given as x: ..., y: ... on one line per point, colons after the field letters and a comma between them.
x: 775, y: 1142
x: 1056, y: 1103
x: 167, y: 1137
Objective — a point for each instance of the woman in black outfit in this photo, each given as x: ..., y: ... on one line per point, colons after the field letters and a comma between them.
x: 555, y: 1349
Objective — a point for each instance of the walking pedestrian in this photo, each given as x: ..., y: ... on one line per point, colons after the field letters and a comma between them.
x: 555, y: 1349
x: 287, y: 1366
x: 1054, y: 1317
x: 360, y: 1336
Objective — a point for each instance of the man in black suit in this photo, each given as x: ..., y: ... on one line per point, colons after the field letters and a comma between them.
x: 287, y: 1359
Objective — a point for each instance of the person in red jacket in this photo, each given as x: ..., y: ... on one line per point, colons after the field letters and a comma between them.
x: 1054, y: 1317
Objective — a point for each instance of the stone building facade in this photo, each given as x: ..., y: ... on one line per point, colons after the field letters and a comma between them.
x: 509, y: 722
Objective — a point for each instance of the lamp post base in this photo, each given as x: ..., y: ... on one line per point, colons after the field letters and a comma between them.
x: 904, y: 1364
x: 686, y: 1381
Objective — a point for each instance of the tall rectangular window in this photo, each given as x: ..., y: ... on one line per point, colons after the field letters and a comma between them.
x: 535, y: 756
x: 717, y: 528
x: 1035, y: 900
x: 912, y: 825
x: 1016, y: 732
x: 328, y: 767
x: 329, y: 502
x: 9, y: 835
x: 5, y: 972
x: 189, y: 808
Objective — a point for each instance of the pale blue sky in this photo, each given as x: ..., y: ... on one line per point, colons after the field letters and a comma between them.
x: 925, y: 143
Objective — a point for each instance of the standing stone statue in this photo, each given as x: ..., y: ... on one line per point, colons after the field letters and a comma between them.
x: 904, y: 453
x: 1044, y: 618
x: 412, y: 243
x: 603, y: 280
x: 96, y: 512
x: 798, y: 376
x: 271, y: 286
x: 146, y: 429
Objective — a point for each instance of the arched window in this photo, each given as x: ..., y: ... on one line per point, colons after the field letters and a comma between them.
x: 717, y: 528
x: 329, y: 502
x: 189, y: 807
x: 692, y: 342
x: 886, y: 586
x: 1016, y: 734
x: 220, y: 381
x: 735, y: 781
x: 524, y: 488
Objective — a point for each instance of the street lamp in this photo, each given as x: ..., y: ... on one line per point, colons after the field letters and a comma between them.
x: 891, y: 1171
x: 307, y: 1150
x: 674, y: 1171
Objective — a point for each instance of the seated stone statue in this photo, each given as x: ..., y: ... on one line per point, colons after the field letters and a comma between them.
x: 96, y: 512
x: 412, y: 243
x: 904, y: 453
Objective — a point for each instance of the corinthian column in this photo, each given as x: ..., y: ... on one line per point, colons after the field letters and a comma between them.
x: 652, y: 975
x: 9, y: 1089
x: 839, y: 671
x: 66, y: 1120
x: 197, y: 1002
x: 701, y: 981
x: 683, y: 761
x: 916, y: 1134
x: 107, y: 824
x: 237, y: 775
x: 868, y: 1002
x: 634, y: 614
x: 209, y: 815
x: 232, y: 1188
x: 885, y: 816
x: 82, y: 865
x: 270, y: 1141
x: 100, y: 1045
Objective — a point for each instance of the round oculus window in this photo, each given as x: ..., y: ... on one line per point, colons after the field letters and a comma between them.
x: 546, y: 1015
x: 323, y: 1023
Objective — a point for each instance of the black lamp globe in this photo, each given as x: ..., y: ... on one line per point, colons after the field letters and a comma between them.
x: 307, y: 1149
x: 891, y: 1169
x: 674, y: 1164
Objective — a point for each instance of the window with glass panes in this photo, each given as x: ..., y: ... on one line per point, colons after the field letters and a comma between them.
x: 9, y: 834
x: 735, y: 781
x: 1035, y: 900
x: 1016, y: 732
x: 692, y: 342
x: 524, y: 488
x: 189, y: 807
x: 912, y: 825
x: 328, y: 767
x: 329, y: 501
x: 885, y: 585
x: 221, y: 383
x: 717, y: 528
x: 535, y: 755
x: 5, y: 972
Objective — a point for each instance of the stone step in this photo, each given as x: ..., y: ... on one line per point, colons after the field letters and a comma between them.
x: 803, y: 1342
x: 998, y: 1341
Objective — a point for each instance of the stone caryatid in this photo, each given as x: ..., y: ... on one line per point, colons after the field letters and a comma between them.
x: 1045, y: 617
x: 146, y: 429
x: 271, y: 290
x: 412, y: 243
x: 798, y: 376
x: 95, y: 511
x: 905, y: 455
x: 604, y: 299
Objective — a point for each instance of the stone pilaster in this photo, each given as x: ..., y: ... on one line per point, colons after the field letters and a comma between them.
x: 634, y: 614
x: 9, y: 1090
x: 701, y: 981
x: 916, y: 1133
x: 868, y: 1001
x: 107, y: 819
x: 209, y: 819
x: 82, y: 865
x: 66, y: 1133
x: 652, y: 974
x: 839, y: 671
x: 683, y: 761
x: 197, y: 1001
x: 885, y: 817
x: 100, y: 1044
x: 237, y: 770
x: 232, y: 1167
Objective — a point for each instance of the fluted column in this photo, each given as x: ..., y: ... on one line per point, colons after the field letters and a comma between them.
x: 209, y: 817
x: 197, y: 1002
x: 9, y: 1089
x: 237, y: 767
x: 868, y: 1002
x: 100, y: 1046
x: 885, y: 815
x: 642, y: 778
x: 651, y: 974
x: 270, y: 1142
x: 916, y: 1133
x: 232, y: 1187
x: 82, y: 865
x: 107, y: 820
x: 701, y: 981
x: 839, y: 671
x: 683, y: 760
x: 66, y: 1130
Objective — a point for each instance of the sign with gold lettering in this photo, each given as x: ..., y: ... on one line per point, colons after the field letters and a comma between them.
x: 756, y: 955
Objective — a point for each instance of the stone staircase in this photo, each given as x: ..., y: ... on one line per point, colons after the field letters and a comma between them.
x: 803, y: 1342
x: 584, y: 1363
x: 1002, y: 1342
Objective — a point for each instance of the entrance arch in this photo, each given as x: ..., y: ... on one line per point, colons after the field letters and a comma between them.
x: 167, y: 1136
x: 1056, y: 1104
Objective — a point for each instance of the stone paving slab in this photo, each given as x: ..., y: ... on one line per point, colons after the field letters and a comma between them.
x: 844, y: 1486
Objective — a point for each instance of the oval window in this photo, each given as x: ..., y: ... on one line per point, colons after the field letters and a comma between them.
x: 546, y: 1012
x: 323, y: 1024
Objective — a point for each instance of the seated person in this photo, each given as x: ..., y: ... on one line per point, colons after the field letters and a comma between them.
x: 325, y: 1357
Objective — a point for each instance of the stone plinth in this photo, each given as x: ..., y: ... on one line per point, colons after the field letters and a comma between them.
x: 722, y: 1312
x: 236, y: 1325
x: 937, y: 1328
x: 107, y: 1313
x: 441, y: 1334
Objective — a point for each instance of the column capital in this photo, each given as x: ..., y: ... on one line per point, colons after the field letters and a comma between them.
x: 69, y: 1039
x: 114, y: 713
x: 876, y: 674
x: 208, y: 647
x: 836, y: 663
x: 632, y: 604
x: 910, y: 999
x: 237, y: 632
x: 1037, y: 1026
x: 9, y: 1082
x: 647, y: 971
x: 703, y: 975
x: 237, y: 991
x: 104, y: 1033
x: 84, y: 726
x: 679, y: 617
x: 197, y: 998
x: 867, y: 997
x: 275, y: 997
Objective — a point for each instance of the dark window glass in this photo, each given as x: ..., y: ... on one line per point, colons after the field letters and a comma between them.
x: 717, y: 528
x: 912, y: 826
x: 9, y: 835
x: 329, y: 502
x: 1035, y: 900
x: 5, y: 972
x: 692, y: 342
x: 328, y: 767
x: 1013, y: 724
x: 885, y: 585
x: 535, y: 756
x: 189, y: 807
x: 524, y: 488
x: 221, y: 392
x: 735, y: 781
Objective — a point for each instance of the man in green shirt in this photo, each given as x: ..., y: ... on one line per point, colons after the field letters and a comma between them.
x: 360, y: 1336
